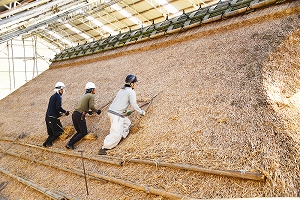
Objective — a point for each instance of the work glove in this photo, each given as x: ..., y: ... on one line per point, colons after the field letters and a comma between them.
x: 67, y: 113
x: 128, y: 112
x: 90, y: 112
x: 143, y: 113
x: 98, y: 112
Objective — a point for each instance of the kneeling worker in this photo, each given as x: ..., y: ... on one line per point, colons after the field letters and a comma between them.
x: 86, y: 103
x: 120, y: 123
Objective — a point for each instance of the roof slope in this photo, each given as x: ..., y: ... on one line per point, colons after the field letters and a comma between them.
x: 227, y: 100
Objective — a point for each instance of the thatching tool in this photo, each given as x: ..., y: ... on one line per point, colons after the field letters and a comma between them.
x: 86, y: 186
x: 20, y: 136
x: 106, y: 105
x: 129, y: 112
x: 60, y: 127
x: 149, y: 102
x: 90, y: 112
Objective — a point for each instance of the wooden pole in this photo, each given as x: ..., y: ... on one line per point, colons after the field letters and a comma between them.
x: 143, y: 188
x: 13, y: 142
x: 98, y: 158
x: 106, y: 104
x: 86, y: 186
x: 114, y: 180
x: 257, y: 176
x: 42, y: 190
x: 72, y: 171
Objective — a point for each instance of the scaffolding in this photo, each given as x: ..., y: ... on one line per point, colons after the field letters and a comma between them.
x: 22, y: 59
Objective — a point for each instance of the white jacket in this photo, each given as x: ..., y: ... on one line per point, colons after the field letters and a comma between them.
x: 124, y: 98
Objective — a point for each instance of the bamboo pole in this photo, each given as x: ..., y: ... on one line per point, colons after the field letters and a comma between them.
x: 42, y: 190
x: 143, y: 188
x: 13, y: 142
x: 72, y: 171
x: 95, y: 158
x: 117, y: 181
x: 72, y: 154
x: 257, y: 176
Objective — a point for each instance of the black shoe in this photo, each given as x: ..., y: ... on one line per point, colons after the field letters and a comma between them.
x: 70, y: 146
x: 102, y: 152
x: 48, y: 145
x: 44, y: 145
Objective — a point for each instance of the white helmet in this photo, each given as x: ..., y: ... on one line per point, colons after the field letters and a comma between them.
x: 90, y: 85
x: 59, y: 85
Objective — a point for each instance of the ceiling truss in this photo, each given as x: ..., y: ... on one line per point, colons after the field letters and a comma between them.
x: 39, y: 17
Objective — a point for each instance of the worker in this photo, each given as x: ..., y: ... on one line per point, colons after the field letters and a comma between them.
x: 54, y: 111
x: 120, y: 123
x: 85, y: 106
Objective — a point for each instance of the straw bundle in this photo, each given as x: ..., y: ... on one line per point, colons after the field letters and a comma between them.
x: 68, y: 131
x: 90, y: 136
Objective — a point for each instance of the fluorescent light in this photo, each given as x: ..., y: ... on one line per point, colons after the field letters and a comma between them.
x: 135, y: 20
x: 98, y: 23
x: 162, y: 2
x: 72, y: 28
x: 60, y: 38
x: 125, y: 13
x: 92, y: 19
x: 168, y: 7
x: 107, y: 29
x: 67, y: 41
x: 171, y: 8
x: 116, y: 7
x: 55, y: 34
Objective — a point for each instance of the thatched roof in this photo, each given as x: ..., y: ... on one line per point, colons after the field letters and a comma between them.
x: 227, y: 100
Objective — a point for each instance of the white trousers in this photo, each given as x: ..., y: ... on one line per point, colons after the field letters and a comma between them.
x: 119, y: 128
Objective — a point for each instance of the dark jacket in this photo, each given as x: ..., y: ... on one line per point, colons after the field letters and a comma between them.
x: 55, y: 106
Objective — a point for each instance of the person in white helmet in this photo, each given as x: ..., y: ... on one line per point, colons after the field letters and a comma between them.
x: 119, y: 122
x: 54, y: 111
x: 85, y: 105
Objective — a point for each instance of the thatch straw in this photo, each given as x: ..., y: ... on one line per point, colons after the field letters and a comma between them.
x: 229, y: 101
x: 68, y: 131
